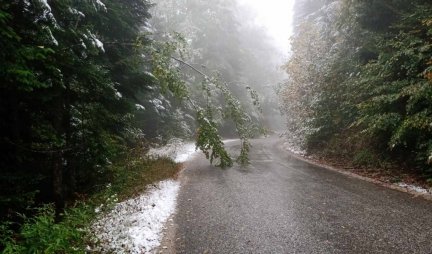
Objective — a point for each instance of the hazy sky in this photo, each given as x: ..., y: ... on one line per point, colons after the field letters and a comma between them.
x: 276, y: 16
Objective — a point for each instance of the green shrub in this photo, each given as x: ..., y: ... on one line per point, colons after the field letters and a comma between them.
x: 41, y: 233
x: 366, y: 158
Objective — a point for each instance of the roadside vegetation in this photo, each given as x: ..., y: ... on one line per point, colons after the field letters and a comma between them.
x: 68, y: 232
x: 359, y: 87
x: 87, y: 86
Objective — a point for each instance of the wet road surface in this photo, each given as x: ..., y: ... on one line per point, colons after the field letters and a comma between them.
x: 279, y: 204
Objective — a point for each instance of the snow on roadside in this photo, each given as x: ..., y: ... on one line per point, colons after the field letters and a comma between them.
x: 414, y: 188
x: 135, y: 225
x: 230, y: 140
x: 293, y: 148
x: 176, y: 149
x: 184, y: 153
x: 291, y: 144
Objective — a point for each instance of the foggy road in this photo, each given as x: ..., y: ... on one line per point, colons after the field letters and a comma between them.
x: 279, y: 204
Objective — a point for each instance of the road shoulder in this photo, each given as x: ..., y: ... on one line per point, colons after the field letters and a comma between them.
x: 320, y: 164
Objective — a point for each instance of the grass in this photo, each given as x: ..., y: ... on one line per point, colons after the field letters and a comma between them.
x: 141, y: 173
x: 42, y: 234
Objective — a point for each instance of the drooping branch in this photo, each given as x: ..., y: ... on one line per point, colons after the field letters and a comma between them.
x: 190, y: 66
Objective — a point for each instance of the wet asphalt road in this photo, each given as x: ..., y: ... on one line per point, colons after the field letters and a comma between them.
x: 283, y: 205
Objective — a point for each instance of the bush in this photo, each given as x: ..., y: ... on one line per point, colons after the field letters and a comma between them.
x: 366, y: 158
x: 41, y: 233
x: 68, y: 232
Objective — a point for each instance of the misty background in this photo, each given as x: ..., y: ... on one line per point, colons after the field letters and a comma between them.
x: 246, y: 42
x: 87, y: 87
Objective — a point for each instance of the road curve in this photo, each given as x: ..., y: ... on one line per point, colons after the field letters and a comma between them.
x: 279, y: 204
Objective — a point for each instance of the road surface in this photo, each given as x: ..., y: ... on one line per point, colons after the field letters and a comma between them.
x: 279, y: 204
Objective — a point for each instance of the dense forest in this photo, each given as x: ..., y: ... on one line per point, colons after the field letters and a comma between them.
x: 359, y: 84
x: 87, y: 84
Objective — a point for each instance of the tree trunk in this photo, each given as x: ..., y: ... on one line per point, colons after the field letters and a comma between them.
x: 57, y: 183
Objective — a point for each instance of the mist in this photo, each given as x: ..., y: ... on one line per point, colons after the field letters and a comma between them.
x: 100, y: 100
x: 243, y: 42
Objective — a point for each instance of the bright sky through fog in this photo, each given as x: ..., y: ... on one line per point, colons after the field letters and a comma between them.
x: 276, y: 16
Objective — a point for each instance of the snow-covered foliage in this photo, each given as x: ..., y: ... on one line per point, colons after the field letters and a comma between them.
x: 76, y: 12
x: 135, y: 225
x: 51, y: 40
x: 95, y: 42
x: 157, y: 104
x: 45, y: 15
x: 118, y: 95
x: 139, y: 106
x: 314, y: 45
x: 291, y: 144
x: 99, y: 5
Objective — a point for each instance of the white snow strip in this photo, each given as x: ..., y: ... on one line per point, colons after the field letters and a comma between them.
x: 94, y: 40
x: 45, y: 4
x: 176, y: 149
x: 118, y: 95
x: 99, y: 44
x: 230, y: 140
x: 149, y: 73
x: 99, y: 5
x: 414, y: 188
x: 139, y: 107
x: 52, y: 39
x: 135, y: 225
x: 76, y: 12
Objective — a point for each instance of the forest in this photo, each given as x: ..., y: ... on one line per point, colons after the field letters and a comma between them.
x: 87, y: 86
x: 359, y: 82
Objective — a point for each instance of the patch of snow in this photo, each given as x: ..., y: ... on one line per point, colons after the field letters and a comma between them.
x: 27, y: 5
x: 135, y: 225
x: 414, y: 188
x: 99, y: 44
x: 230, y: 140
x: 157, y: 104
x: 149, y: 73
x: 99, y: 5
x: 139, y: 107
x: 95, y: 41
x: 176, y: 149
x: 45, y: 4
x: 83, y: 44
x: 186, y: 152
x: 52, y: 39
x: 293, y: 148
x: 76, y: 12
x: 118, y: 95
x: 147, y: 29
x: 46, y: 14
x: 189, y: 117
x: 291, y: 143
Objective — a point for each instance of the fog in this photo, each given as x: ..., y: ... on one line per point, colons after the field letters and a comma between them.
x: 276, y: 16
x: 245, y: 41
